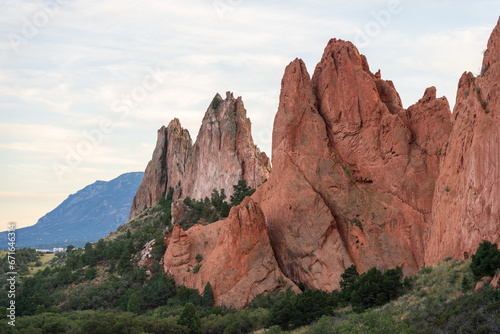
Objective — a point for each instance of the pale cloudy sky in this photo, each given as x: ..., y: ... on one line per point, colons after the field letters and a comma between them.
x: 84, y: 85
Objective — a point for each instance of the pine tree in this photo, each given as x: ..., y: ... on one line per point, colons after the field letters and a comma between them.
x: 465, y: 285
x: 486, y: 260
x: 190, y: 319
x: 134, y: 304
x: 349, y: 277
x: 208, y: 296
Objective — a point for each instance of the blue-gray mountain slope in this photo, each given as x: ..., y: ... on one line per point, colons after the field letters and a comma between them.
x: 90, y: 214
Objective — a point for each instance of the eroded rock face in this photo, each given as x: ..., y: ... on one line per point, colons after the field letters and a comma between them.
x: 466, y: 208
x: 238, y: 260
x: 353, y: 172
x: 223, y: 154
x: 165, y: 168
x: 357, y: 179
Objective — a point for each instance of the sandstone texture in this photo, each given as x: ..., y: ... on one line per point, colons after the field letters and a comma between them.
x: 223, y: 154
x: 353, y: 172
x: 466, y: 207
x: 495, y: 282
x: 238, y: 260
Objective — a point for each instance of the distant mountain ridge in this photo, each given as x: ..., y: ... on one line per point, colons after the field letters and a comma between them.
x: 86, y: 216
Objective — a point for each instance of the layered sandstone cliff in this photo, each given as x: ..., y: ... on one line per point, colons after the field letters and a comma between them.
x: 466, y: 207
x: 353, y: 172
x: 223, y: 154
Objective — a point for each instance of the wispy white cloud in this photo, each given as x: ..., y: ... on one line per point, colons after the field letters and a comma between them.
x: 91, y: 55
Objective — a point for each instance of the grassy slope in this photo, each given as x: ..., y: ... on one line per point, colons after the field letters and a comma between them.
x: 46, y: 262
x: 441, y: 282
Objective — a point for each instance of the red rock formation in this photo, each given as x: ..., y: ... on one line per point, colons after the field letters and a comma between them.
x: 178, y: 211
x: 356, y: 179
x: 165, y: 168
x: 353, y: 172
x: 223, y: 154
x: 366, y: 127
x: 304, y: 233
x: 495, y: 282
x: 238, y: 260
x: 466, y: 207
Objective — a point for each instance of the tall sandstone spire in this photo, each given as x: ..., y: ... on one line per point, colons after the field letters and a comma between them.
x: 353, y: 172
x: 466, y: 208
x: 223, y: 154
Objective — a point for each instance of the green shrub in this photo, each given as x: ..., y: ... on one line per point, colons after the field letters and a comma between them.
x: 375, y: 289
x: 486, y: 260
x: 91, y: 273
x: 466, y: 284
x: 216, y: 103
x: 347, y: 170
x: 289, y: 310
x: 134, y: 304
x: 470, y: 313
x: 357, y: 223
x: 187, y: 201
x: 485, y: 69
x: 349, y: 277
x: 199, y: 257
x: 159, y: 248
x: 187, y: 295
x: 425, y: 270
x: 241, y: 190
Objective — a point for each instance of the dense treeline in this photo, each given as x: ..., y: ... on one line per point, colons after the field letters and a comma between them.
x: 94, y: 322
x: 469, y: 313
x: 215, y: 208
x: 22, y: 258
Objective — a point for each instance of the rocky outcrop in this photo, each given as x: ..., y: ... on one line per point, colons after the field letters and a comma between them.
x: 223, y: 154
x: 353, y: 172
x: 178, y: 211
x: 237, y: 258
x: 165, y: 168
x: 495, y: 282
x: 357, y: 179
x: 466, y: 208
